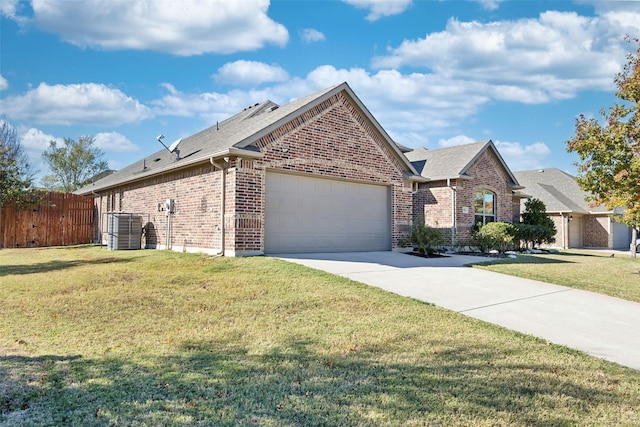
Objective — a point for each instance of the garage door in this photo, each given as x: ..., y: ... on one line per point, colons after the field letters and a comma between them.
x: 321, y: 215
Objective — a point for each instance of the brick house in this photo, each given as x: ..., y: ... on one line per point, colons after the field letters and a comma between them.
x: 577, y: 223
x: 318, y: 174
x: 466, y: 185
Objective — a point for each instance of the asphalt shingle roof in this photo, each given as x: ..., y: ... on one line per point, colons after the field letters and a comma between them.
x: 451, y: 162
x: 238, y: 131
x: 557, y: 189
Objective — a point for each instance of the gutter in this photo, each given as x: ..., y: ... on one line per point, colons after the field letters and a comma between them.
x: 222, y: 200
x: 228, y: 152
x: 99, y: 216
x: 453, y: 212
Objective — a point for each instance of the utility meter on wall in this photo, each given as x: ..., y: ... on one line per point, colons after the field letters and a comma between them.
x: 169, y: 206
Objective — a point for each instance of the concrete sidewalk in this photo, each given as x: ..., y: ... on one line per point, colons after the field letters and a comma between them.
x: 599, y: 325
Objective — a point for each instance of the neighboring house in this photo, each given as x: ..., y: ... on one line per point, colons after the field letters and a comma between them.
x: 318, y: 174
x: 467, y: 184
x: 577, y: 223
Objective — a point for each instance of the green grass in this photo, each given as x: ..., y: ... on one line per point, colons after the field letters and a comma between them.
x: 618, y: 276
x: 96, y: 337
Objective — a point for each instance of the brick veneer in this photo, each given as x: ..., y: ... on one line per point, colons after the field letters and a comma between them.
x: 333, y: 139
x: 433, y: 201
x: 596, y: 231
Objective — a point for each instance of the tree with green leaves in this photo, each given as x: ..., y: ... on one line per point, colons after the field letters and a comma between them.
x: 543, y: 229
x: 73, y: 164
x: 16, y: 177
x: 609, y: 166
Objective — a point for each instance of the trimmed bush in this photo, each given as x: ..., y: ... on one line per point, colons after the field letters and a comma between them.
x: 495, y: 235
x: 428, y: 240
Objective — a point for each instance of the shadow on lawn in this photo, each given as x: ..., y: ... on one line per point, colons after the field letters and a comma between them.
x: 219, y: 383
x: 55, y: 265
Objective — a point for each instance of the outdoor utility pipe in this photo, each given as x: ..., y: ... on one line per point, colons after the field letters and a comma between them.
x: 564, y: 244
x: 99, y: 216
x: 453, y: 212
x: 222, y: 202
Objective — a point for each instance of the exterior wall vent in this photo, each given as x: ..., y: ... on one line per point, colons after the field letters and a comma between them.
x: 124, y: 231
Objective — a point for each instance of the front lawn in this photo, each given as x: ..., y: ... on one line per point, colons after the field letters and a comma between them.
x: 615, y: 276
x: 96, y: 337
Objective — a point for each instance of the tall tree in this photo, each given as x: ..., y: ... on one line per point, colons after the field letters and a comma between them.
x: 16, y: 177
x: 609, y: 166
x: 73, y: 164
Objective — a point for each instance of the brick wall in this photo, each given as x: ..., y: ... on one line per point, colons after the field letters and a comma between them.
x: 433, y: 199
x: 561, y: 223
x: 596, y: 231
x: 333, y: 139
x: 195, y: 222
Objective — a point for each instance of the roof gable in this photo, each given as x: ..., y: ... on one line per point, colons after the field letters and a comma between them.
x: 454, y: 162
x: 238, y: 132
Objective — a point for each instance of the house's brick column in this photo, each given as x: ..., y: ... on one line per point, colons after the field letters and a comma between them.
x: 246, y: 213
x: 596, y: 231
x: 562, y: 239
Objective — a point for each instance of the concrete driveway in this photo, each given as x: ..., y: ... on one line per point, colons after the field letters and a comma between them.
x: 599, y: 325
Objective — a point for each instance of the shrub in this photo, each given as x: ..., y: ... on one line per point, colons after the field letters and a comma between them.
x: 495, y: 235
x: 428, y: 240
x: 528, y: 235
x: 535, y: 214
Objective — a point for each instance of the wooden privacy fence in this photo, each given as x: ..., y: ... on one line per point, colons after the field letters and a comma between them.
x: 59, y: 219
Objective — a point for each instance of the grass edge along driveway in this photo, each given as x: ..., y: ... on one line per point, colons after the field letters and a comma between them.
x: 96, y: 337
x: 614, y: 276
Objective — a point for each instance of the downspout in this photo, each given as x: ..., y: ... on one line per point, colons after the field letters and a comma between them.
x: 168, y: 214
x: 564, y: 242
x: 99, y: 216
x: 222, y: 202
x: 453, y: 213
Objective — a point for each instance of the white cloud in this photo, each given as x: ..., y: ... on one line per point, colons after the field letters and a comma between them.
x: 4, y: 84
x: 310, y: 35
x: 34, y: 142
x: 9, y: 8
x: 87, y: 103
x: 523, y: 157
x: 517, y: 156
x: 207, y: 105
x: 380, y: 8
x: 490, y: 4
x: 410, y: 107
x: 411, y: 102
x: 456, y: 140
x: 114, y: 142
x: 186, y: 27
x: 250, y: 73
x: 528, y: 60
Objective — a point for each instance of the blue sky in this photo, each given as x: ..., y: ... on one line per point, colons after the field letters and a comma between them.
x: 433, y: 73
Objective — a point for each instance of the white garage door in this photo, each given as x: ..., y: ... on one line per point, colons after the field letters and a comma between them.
x: 321, y: 215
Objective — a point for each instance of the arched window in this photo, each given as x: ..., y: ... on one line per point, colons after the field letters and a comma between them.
x: 484, y: 202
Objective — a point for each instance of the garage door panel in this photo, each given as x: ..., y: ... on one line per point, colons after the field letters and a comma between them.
x: 305, y: 214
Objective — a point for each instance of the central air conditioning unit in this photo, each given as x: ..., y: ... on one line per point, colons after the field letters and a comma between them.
x: 124, y: 231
